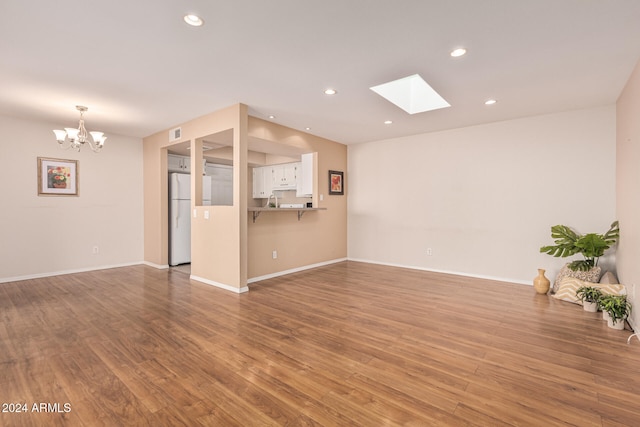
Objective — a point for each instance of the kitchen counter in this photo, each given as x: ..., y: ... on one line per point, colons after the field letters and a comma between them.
x: 256, y: 211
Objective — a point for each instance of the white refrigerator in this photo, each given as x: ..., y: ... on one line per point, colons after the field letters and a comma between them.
x: 180, y: 215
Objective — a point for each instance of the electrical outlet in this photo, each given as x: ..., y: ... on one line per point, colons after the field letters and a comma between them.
x: 206, y: 214
x: 429, y: 251
x: 96, y: 250
x: 274, y: 254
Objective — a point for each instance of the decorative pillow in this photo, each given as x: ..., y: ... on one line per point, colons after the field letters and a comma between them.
x: 569, y: 286
x: 592, y: 275
x: 610, y: 278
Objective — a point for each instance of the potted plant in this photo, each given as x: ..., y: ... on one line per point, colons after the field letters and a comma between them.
x: 603, y: 302
x: 618, y: 309
x: 590, y: 297
x: 591, y: 246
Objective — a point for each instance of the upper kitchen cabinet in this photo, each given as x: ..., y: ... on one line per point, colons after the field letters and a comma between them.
x: 306, y: 173
x: 296, y: 176
x: 285, y: 176
x: 262, y: 182
x: 179, y: 163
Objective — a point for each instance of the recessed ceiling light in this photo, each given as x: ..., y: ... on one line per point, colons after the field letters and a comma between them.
x: 412, y: 94
x: 271, y: 116
x: 490, y: 102
x: 330, y: 91
x: 388, y: 122
x: 307, y: 128
x: 458, y: 52
x: 193, y: 20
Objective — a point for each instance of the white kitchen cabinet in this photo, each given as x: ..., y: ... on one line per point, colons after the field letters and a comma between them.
x: 305, y: 176
x: 285, y: 176
x: 176, y: 163
x: 262, y: 179
x: 258, y: 183
x: 179, y: 163
x: 298, y: 176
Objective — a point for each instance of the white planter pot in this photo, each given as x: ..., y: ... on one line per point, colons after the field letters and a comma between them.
x: 605, y: 316
x: 591, y: 307
x: 619, y: 325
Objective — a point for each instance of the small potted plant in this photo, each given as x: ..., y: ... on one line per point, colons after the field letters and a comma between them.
x: 589, y: 297
x: 603, y: 302
x: 618, y: 309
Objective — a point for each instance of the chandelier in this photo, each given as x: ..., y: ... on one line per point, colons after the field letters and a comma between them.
x: 76, y: 138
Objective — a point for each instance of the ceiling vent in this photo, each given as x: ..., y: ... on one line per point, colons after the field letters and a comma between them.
x: 175, y: 134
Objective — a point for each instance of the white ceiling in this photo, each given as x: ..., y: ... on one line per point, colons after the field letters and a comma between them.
x: 140, y: 69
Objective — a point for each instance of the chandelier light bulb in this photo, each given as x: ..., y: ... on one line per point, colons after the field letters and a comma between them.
x: 60, y: 135
x: 72, y: 133
x: 97, y: 136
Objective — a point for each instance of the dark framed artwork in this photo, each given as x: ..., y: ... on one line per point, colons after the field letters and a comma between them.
x: 336, y: 183
x: 57, y: 177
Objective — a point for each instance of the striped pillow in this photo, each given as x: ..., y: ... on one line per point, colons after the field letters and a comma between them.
x: 569, y: 285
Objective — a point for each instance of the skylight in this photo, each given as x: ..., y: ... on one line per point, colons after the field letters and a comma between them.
x: 412, y: 94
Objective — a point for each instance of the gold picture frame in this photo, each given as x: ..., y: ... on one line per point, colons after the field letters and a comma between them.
x: 57, y: 177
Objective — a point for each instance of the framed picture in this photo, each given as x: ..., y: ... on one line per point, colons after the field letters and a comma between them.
x: 336, y: 182
x: 57, y: 177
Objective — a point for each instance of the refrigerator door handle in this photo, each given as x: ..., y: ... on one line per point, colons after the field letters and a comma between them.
x: 177, y: 217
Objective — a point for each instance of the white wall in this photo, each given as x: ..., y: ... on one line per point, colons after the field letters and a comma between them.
x: 483, y: 197
x: 49, y: 235
x: 628, y: 196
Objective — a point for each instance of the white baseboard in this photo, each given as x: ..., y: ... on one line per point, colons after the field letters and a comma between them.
x: 154, y: 265
x: 63, y: 272
x: 220, y: 285
x: 455, y: 273
x: 294, y: 270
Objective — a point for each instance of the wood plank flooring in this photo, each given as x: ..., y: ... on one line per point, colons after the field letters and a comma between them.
x: 347, y: 344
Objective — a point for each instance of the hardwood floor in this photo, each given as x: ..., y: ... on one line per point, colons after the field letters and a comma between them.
x: 346, y: 344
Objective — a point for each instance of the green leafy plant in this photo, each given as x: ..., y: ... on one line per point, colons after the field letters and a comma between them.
x: 616, y: 305
x: 605, y: 301
x: 592, y: 246
x: 589, y: 294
